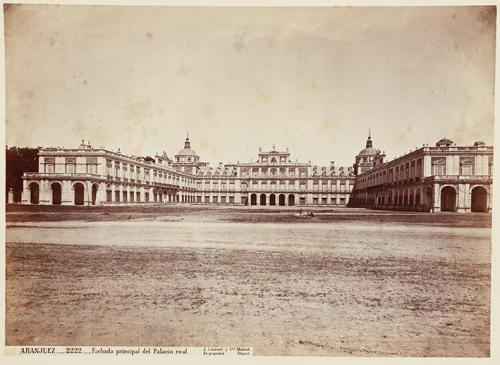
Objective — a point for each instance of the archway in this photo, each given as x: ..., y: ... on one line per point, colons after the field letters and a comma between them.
x: 272, y: 199
x: 262, y: 199
x: 291, y: 199
x: 253, y: 199
x: 34, y: 193
x: 56, y: 193
x: 479, y: 199
x: 448, y: 199
x: 282, y: 199
x: 95, y: 187
x: 79, y: 193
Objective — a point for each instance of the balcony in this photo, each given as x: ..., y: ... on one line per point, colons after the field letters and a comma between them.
x: 61, y: 176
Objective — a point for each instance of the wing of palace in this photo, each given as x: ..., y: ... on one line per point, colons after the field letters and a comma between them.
x: 444, y: 177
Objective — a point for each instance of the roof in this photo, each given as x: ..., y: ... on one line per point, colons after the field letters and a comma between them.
x: 370, y: 151
x: 187, y: 152
x: 444, y: 142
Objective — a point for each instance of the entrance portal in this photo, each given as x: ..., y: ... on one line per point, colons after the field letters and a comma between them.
x: 479, y: 199
x: 253, y: 199
x: 56, y: 193
x: 262, y: 199
x: 79, y: 193
x: 448, y: 199
x: 272, y: 199
x: 282, y: 199
x: 34, y: 193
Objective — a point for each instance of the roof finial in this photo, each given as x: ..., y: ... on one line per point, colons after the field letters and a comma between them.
x: 187, y: 133
x: 369, y: 143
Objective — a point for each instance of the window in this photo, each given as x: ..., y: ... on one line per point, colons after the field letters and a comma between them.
x: 91, y: 168
x: 216, y: 199
x: 231, y: 199
x: 109, y: 168
x: 438, y: 166
x: 466, y: 166
x: 315, y: 200
x: 466, y: 170
x: 438, y: 170
x: 49, y: 165
x: 324, y: 201
x: 207, y: 199
x: 138, y: 197
x: 223, y: 199
x: 70, y: 165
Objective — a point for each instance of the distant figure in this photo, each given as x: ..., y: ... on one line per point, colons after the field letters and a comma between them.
x: 11, y: 196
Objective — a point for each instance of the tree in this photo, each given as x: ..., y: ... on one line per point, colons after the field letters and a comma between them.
x: 18, y: 161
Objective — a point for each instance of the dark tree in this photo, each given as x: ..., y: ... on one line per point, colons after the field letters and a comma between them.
x: 18, y: 161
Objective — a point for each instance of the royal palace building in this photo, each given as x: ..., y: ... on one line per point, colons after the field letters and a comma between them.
x: 96, y: 176
x: 444, y: 177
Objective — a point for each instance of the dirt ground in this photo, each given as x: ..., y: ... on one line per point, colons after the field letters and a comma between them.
x: 44, y: 213
x: 290, y: 301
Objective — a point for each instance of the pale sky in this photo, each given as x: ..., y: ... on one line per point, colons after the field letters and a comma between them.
x: 310, y: 79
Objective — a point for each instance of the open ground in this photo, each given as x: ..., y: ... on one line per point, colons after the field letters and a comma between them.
x: 346, y: 282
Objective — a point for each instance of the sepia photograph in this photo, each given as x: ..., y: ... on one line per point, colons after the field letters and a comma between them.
x: 274, y: 180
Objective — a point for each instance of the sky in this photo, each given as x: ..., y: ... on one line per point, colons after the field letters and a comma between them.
x: 314, y: 80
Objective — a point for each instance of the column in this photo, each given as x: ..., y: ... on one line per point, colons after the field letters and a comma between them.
x: 67, y: 193
x: 437, y: 198
x: 101, y: 194
x: 25, y: 194
x: 44, y: 193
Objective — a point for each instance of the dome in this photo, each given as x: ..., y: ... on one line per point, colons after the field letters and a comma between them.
x: 187, y: 151
x: 370, y: 151
x: 444, y: 142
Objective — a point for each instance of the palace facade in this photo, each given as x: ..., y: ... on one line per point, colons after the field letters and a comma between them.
x: 96, y: 176
x: 444, y: 177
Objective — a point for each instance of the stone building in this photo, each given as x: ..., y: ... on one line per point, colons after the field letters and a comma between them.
x: 445, y: 177
x: 96, y: 176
